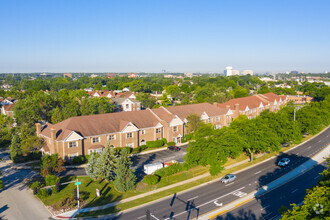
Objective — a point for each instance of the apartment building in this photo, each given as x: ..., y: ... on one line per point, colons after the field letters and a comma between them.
x: 81, y: 135
x: 299, y: 99
x: 252, y: 106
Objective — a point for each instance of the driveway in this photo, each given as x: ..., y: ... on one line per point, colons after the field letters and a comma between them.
x: 16, y: 200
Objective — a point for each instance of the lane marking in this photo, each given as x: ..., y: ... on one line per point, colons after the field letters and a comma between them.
x: 309, y: 147
x: 242, y: 202
x: 258, y: 172
x: 207, y: 202
x: 265, y: 207
x: 239, y: 193
x: 192, y: 198
x: 217, y: 214
x: 218, y: 204
x: 141, y: 217
x: 294, y: 190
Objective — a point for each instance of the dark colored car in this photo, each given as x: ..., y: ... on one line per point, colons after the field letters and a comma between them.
x: 174, y: 148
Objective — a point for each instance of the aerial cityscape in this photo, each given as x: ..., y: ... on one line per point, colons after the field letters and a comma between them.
x: 158, y: 110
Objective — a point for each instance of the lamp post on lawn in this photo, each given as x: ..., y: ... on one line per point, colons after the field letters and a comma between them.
x: 77, y: 184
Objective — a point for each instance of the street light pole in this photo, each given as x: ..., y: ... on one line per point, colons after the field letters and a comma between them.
x: 78, y: 197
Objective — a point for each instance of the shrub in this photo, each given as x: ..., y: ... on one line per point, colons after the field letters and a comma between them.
x: 171, y: 143
x: 187, y: 137
x: 151, y: 179
x: 170, y: 170
x: 164, y: 141
x: 1, y: 184
x: 129, y: 149
x: 44, y: 192
x: 36, y: 184
x: 51, y: 180
x: 154, y: 144
x: 141, y: 148
x: 78, y: 160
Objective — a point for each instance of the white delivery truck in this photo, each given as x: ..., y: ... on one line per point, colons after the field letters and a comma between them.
x: 152, y: 167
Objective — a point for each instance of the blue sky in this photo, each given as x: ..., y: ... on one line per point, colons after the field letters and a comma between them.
x: 152, y: 35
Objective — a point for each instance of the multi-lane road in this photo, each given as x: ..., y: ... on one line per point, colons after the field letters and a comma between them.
x: 206, y: 198
x: 266, y: 206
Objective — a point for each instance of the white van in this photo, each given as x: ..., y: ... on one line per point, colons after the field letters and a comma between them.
x: 152, y: 167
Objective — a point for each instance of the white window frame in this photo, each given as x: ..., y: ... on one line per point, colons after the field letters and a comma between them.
x: 112, y: 137
x: 210, y: 120
x: 158, y: 130
x: 175, y: 129
x: 143, y: 131
x: 75, y: 143
x: 129, y: 135
x: 131, y: 145
x: 217, y: 118
x: 98, y: 140
x: 217, y: 126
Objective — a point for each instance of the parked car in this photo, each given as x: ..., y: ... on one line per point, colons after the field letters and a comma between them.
x: 286, y: 144
x: 284, y: 162
x: 174, y: 148
x: 228, y: 178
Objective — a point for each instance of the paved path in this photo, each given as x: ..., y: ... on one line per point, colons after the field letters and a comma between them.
x: 16, y: 200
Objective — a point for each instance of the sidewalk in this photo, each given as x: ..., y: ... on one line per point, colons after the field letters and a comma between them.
x: 74, y: 212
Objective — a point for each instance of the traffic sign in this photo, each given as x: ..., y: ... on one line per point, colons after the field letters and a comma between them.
x: 77, y: 183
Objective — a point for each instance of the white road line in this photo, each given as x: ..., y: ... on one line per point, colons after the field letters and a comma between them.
x: 141, y: 217
x: 316, y: 177
x: 258, y: 172
x: 294, y: 190
x: 192, y: 198
x: 229, y: 184
x: 319, y: 141
x: 265, y: 207
x: 213, y: 200
x: 309, y: 147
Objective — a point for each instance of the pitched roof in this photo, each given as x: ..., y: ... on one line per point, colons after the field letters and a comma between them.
x: 183, y: 111
x: 271, y: 96
x: 93, y: 125
x: 9, y: 107
x: 249, y: 101
x: 121, y: 100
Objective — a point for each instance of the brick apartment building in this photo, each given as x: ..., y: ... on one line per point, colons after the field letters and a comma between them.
x: 299, y: 99
x: 81, y: 135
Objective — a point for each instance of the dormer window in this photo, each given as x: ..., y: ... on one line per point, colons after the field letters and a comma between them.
x: 129, y: 135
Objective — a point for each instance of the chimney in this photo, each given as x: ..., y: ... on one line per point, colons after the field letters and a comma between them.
x: 227, y: 106
x: 237, y: 109
x: 38, y: 128
x: 53, y: 136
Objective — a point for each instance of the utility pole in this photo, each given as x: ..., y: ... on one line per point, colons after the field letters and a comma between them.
x: 294, y: 114
x: 77, y: 184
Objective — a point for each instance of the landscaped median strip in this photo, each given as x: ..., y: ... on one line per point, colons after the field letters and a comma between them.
x: 167, y: 191
x: 317, y: 159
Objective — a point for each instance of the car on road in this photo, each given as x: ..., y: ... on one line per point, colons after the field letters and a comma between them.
x: 174, y: 148
x: 228, y: 178
x: 284, y: 162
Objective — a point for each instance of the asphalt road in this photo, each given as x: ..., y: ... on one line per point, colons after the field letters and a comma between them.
x: 267, y: 205
x: 139, y: 161
x: 16, y: 200
x: 207, y: 198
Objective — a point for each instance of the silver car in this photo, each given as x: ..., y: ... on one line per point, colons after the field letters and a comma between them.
x: 283, y: 162
x: 228, y: 178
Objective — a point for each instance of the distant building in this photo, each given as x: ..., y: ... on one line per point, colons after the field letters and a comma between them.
x: 294, y: 72
x: 246, y: 72
x: 111, y: 75
x: 229, y: 71
x: 93, y: 76
x: 126, y: 104
x: 67, y: 75
x: 44, y: 75
x: 7, y: 110
x: 132, y: 75
x: 300, y: 100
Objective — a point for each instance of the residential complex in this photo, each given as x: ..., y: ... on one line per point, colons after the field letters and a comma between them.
x: 81, y: 135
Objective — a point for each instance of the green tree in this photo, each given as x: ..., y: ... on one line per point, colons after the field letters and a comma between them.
x: 57, y: 115
x: 15, y: 148
x: 105, y: 166
x: 91, y: 167
x: 51, y: 165
x: 194, y: 123
x: 146, y: 100
x: 31, y: 144
x: 125, y: 177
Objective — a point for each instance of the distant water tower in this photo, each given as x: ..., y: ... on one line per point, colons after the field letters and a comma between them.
x: 229, y: 71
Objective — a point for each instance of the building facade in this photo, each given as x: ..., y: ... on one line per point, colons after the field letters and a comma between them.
x: 81, y: 135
